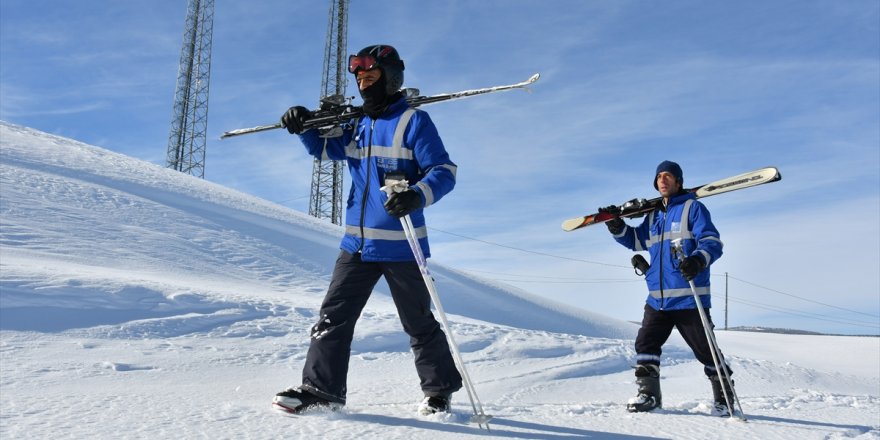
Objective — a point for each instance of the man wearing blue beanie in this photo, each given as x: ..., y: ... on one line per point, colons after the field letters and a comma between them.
x: 671, y: 302
x: 672, y: 168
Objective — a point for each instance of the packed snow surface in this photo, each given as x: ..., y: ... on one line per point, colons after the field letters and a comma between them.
x: 139, y: 302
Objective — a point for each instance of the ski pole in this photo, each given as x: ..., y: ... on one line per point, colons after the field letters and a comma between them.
x: 479, y: 417
x: 717, y: 357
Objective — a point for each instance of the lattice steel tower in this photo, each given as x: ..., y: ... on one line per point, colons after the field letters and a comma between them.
x: 326, y: 197
x: 189, y: 123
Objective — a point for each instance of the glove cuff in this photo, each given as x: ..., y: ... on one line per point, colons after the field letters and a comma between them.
x: 700, y: 258
x: 424, y: 192
x: 616, y: 226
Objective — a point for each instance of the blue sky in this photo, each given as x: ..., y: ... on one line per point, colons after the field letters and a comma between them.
x: 720, y: 87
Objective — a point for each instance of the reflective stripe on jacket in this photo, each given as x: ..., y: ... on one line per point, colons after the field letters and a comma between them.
x: 402, y: 140
x: 687, y: 219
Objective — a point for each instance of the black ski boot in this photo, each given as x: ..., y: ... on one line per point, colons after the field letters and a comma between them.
x: 719, y: 407
x: 649, y: 397
x: 433, y: 405
x: 296, y: 401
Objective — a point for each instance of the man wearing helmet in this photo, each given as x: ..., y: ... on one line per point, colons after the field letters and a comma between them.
x: 393, y: 141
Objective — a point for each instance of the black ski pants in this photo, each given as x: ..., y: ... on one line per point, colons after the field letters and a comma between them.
x: 656, y: 327
x: 326, y: 369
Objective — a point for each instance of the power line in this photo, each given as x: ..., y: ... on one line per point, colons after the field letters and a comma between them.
x: 562, y: 280
x: 568, y: 282
x: 755, y: 304
x: 290, y: 200
x: 553, y: 279
x: 802, y: 299
x: 544, y: 254
x: 805, y: 314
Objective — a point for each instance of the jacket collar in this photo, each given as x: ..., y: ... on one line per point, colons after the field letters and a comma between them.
x: 678, y: 199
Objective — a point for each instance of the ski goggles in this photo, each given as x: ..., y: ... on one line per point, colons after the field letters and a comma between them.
x: 365, y: 62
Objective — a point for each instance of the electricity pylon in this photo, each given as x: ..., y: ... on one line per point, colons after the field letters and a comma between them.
x: 189, y: 123
x: 326, y: 195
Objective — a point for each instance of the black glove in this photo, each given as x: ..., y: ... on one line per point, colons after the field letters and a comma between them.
x: 611, y: 209
x: 403, y: 203
x: 294, y: 117
x: 640, y: 264
x: 690, y: 267
x: 615, y: 225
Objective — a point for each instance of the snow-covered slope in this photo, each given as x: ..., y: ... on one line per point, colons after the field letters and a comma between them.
x: 164, y: 234
x: 138, y: 302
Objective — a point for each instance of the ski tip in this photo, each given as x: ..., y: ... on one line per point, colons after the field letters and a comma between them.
x: 572, y: 224
x: 233, y: 133
x: 534, y: 78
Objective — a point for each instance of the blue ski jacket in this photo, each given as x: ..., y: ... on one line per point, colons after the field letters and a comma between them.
x: 685, y: 218
x: 402, y: 140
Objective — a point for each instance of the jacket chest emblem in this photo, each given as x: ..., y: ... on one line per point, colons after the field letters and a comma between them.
x: 388, y: 163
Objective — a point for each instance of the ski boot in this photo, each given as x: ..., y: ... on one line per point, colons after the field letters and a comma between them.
x: 433, y: 405
x: 649, y: 397
x: 719, y: 407
x: 295, y: 401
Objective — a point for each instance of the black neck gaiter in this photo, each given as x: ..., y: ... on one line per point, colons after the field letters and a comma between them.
x: 376, y: 100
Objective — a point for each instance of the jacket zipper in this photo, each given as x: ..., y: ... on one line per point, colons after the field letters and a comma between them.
x: 366, y: 185
x: 662, y: 240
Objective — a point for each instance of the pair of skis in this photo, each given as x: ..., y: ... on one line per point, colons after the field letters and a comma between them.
x: 334, y: 113
x: 639, y: 207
